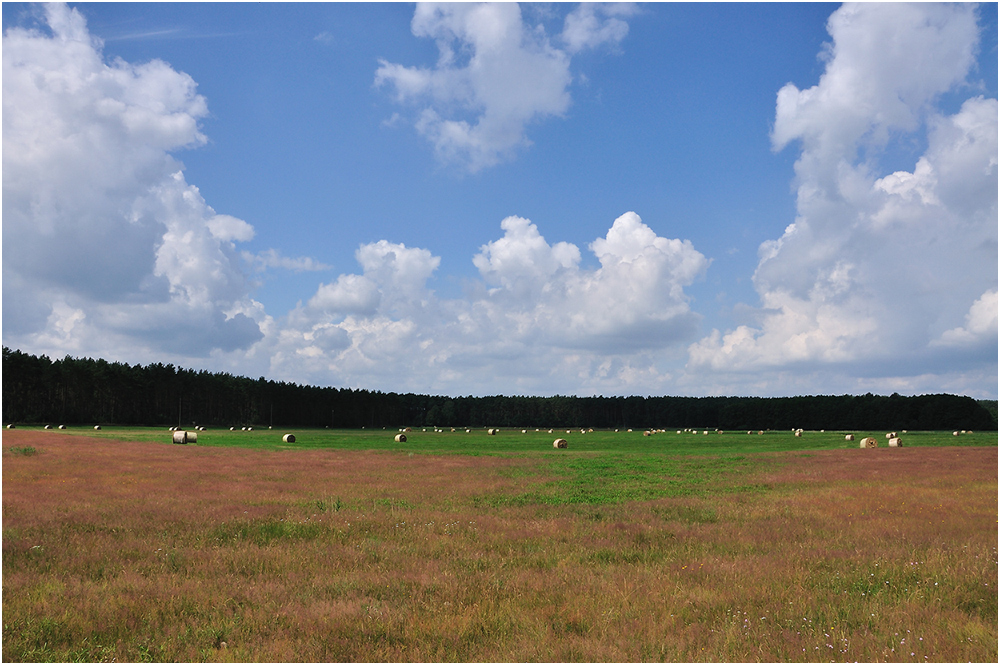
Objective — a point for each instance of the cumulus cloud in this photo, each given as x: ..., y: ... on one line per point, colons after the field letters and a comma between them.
x: 536, y: 319
x: 980, y: 324
x: 105, y: 241
x: 876, y: 267
x: 494, y: 76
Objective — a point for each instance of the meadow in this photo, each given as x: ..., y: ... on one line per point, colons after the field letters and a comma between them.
x: 455, y: 546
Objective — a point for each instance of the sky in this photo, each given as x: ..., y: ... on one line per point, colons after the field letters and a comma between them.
x: 537, y: 199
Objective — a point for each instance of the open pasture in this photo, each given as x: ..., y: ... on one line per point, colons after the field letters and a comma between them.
x: 470, y: 547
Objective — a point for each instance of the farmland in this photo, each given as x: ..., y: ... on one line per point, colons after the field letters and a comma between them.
x: 456, y: 546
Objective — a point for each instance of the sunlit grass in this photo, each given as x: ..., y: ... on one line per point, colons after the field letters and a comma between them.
x: 115, y: 549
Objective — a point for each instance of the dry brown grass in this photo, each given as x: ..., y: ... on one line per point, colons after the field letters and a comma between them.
x: 141, y: 551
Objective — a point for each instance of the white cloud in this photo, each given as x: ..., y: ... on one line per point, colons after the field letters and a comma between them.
x: 874, y: 269
x: 494, y: 76
x: 536, y: 320
x: 591, y: 25
x: 980, y: 324
x: 106, y: 244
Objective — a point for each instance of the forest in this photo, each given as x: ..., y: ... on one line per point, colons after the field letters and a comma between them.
x: 69, y: 391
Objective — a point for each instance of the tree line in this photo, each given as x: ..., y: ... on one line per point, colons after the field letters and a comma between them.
x: 85, y: 391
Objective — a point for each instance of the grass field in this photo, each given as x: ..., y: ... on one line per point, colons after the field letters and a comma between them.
x: 460, y: 546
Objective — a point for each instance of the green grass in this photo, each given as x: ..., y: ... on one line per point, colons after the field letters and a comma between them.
x: 513, y: 442
x: 24, y: 451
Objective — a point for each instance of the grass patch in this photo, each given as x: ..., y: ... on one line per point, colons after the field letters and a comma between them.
x: 614, y: 550
x: 23, y: 451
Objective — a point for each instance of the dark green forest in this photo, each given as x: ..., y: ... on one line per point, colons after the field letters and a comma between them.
x: 87, y: 391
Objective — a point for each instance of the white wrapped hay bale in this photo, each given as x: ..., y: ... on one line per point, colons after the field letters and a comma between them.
x: 181, y: 436
x: 560, y: 443
x: 62, y: 427
x: 849, y: 437
x: 895, y: 442
x: 288, y: 438
x: 97, y: 427
x: 400, y: 438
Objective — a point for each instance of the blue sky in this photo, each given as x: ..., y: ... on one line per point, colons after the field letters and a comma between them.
x: 702, y: 198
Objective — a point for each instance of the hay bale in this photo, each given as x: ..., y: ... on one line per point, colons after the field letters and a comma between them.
x: 62, y: 427
x: 760, y: 432
x: 491, y: 431
x: 400, y: 438
x: 97, y: 427
x: 798, y: 433
x: 181, y: 436
x: 288, y: 438
x: 646, y: 433
x: 11, y: 426
x: 559, y: 443
x: 895, y: 442
x: 48, y: 427
x: 869, y: 442
x: 849, y: 437
x: 954, y: 433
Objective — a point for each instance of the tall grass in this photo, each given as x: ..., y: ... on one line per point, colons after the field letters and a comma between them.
x: 145, y: 552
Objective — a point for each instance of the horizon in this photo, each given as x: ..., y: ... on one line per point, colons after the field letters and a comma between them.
x: 518, y: 200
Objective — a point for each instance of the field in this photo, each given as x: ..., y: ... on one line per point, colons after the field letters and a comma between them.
x: 458, y: 546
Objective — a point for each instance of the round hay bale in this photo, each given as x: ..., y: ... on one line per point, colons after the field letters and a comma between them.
x: 288, y: 438
x: 232, y: 429
x: 62, y: 427
x: 97, y: 427
x: 11, y: 426
x: 48, y: 427
x: 192, y: 437
x: 760, y: 432
x: 249, y: 429
x: 869, y: 442
x: 798, y: 433
x: 524, y: 431
x: 954, y: 433
x: 559, y: 443
x: 705, y: 432
x: 849, y: 437
x: 646, y: 433
x: 400, y: 438
x: 179, y: 437
x: 895, y: 442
